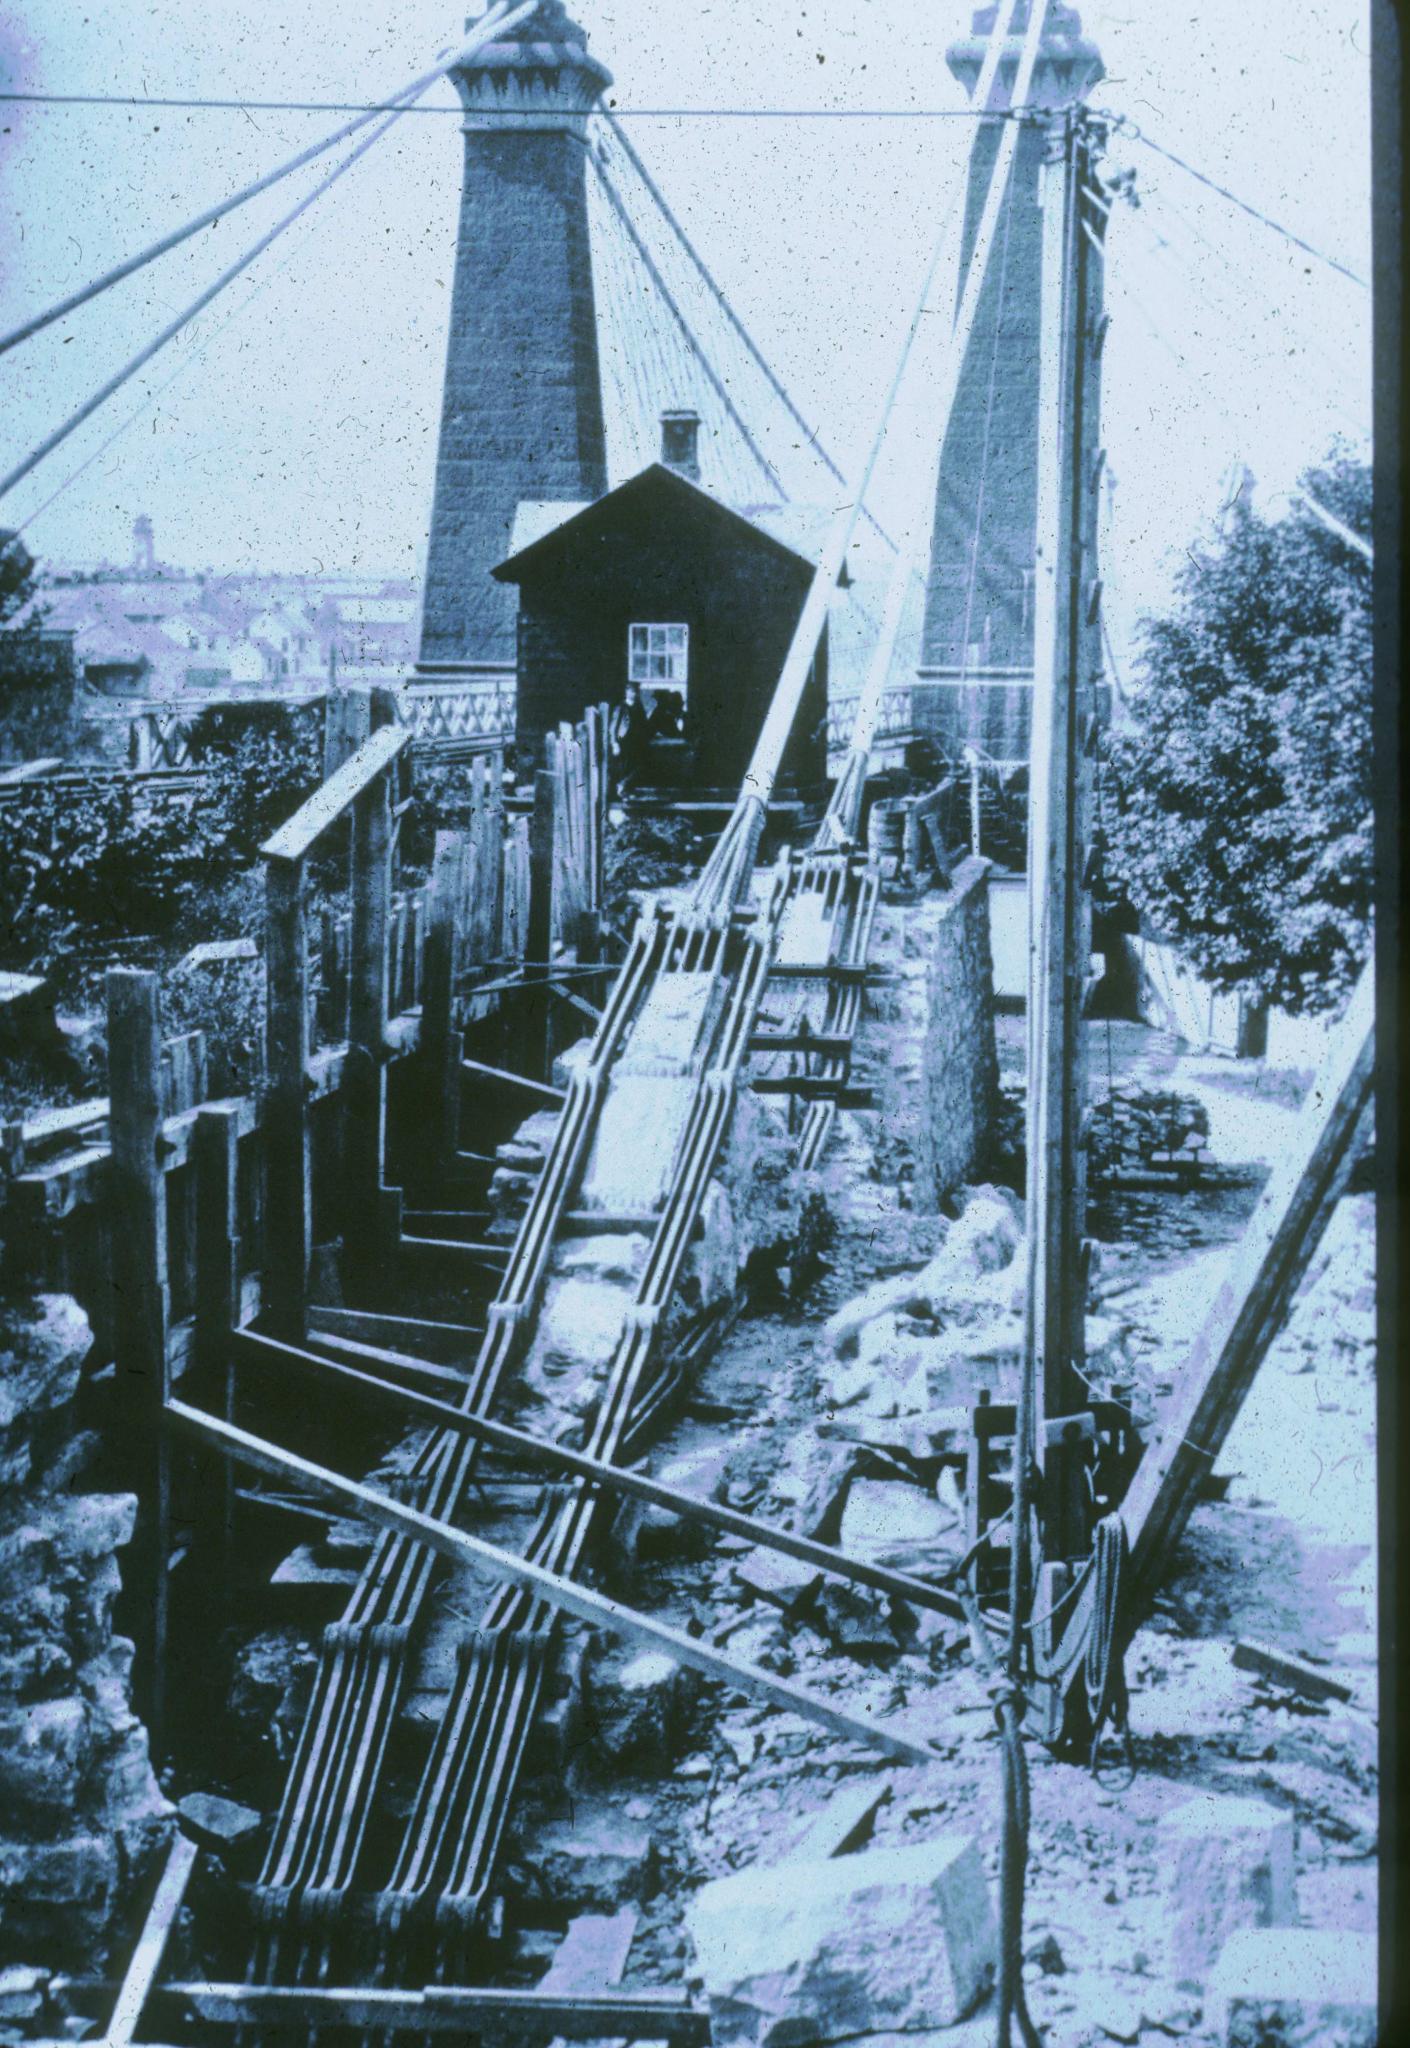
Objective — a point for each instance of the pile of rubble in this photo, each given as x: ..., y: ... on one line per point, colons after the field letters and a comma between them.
x: 1148, y: 1134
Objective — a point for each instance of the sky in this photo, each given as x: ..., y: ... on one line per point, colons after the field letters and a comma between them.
x: 300, y: 431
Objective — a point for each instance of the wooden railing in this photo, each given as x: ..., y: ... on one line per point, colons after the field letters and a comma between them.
x: 172, y: 1216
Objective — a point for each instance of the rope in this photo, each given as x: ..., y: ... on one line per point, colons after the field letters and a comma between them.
x: 492, y: 24
x: 1105, y: 1663
x: 1013, y: 1840
x: 235, y: 106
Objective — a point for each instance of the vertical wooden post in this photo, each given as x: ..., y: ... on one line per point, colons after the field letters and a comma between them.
x: 288, y: 1227
x: 345, y: 725
x: 143, y: 1378
x: 364, y: 1082
x: 538, y: 945
x: 440, y: 1041
x: 1058, y: 912
x: 216, y: 1150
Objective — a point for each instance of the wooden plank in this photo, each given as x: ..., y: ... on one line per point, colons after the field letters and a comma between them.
x: 1289, y: 1671
x: 141, y: 1311
x: 617, y: 1478
x: 446, y: 2009
x: 392, y: 1367
x: 583, y: 1601
x: 141, y: 1974
x: 478, y: 1071
x: 288, y: 1225
x: 332, y: 798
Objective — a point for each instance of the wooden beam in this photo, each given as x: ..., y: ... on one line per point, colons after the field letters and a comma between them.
x: 478, y: 1071
x: 288, y: 1204
x: 1267, y: 1267
x: 397, y: 1367
x: 141, y: 1974
x: 442, y: 1341
x: 142, y: 1305
x: 583, y: 1601
x: 447, y: 2009
x: 217, y: 1159
x: 617, y: 1478
x: 331, y: 799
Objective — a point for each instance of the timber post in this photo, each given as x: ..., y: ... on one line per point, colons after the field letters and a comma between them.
x: 1059, y: 913
x: 288, y: 1197
x: 141, y: 1307
x: 365, y: 1080
x: 217, y: 1311
x: 538, y: 941
x: 441, y: 1046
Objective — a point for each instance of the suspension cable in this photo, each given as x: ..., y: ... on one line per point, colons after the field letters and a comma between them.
x: 674, y: 308
x: 1128, y: 127
x: 811, y: 435
x: 493, y: 23
x: 729, y: 863
x: 188, y: 313
x: 1314, y: 505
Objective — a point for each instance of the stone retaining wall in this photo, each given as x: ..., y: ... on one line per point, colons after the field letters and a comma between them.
x: 80, y: 1811
x: 959, y: 1060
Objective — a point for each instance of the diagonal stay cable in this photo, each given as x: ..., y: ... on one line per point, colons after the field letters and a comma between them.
x: 673, y: 306
x: 811, y: 436
x: 187, y: 314
x: 1128, y: 127
x: 492, y: 24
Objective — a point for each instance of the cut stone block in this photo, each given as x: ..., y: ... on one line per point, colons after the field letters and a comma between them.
x: 215, y: 1822
x: 844, y: 1824
x: 886, y: 1521
x: 785, y: 1582
x: 1300, y: 1986
x: 1230, y: 1865
x: 595, y: 1863
x: 891, y: 1938
x: 592, y: 1954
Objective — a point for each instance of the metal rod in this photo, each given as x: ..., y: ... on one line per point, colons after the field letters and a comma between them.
x: 501, y: 1436
x: 582, y: 1601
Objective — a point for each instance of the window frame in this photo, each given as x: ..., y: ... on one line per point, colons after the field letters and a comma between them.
x: 659, y: 662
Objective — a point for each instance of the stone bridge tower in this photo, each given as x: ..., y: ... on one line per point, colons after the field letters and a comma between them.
x: 977, y: 640
x: 522, y: 411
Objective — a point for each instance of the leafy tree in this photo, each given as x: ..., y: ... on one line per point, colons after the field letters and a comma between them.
x: 36, y: 675
x: 1242, y: 826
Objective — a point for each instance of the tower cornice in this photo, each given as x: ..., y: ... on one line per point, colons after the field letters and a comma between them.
x: 540, y: 76
x: 1069, y: 63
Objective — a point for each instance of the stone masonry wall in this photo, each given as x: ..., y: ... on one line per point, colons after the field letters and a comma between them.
x: 959, y: 1058
x: 80, y: 1812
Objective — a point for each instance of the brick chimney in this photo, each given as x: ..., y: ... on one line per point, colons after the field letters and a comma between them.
x: 977, y: 640
x: 680, y: 443
x: 522, y: 411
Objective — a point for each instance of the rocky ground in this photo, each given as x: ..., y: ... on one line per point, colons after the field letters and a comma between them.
x: 835, y: 1418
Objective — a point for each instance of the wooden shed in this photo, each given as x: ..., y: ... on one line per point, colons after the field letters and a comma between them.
x: 662, y: 583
